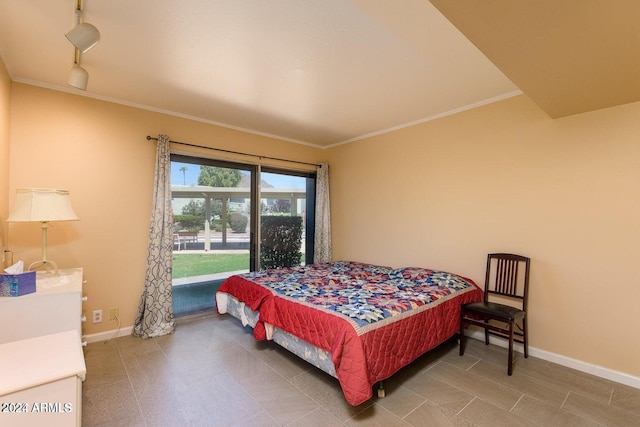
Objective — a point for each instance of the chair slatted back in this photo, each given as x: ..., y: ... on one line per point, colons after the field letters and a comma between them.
x: 506, y: 277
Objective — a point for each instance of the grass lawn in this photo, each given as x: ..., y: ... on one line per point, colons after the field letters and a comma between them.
x: 186, y: 265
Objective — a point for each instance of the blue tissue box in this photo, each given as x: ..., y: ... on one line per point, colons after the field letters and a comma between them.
x: 14, y: 285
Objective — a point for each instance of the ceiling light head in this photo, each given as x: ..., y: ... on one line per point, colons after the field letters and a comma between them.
x: 78, y: 77
x: 84, y: 36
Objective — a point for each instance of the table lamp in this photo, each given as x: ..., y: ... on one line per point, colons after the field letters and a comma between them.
x: 42, y: 205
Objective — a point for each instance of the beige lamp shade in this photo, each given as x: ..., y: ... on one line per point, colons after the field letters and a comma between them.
x: 84, y: 36
x: 42, y: 205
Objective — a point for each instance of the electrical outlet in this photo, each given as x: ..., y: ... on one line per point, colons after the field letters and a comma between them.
x: 97, y: 316
x: 114, y: 313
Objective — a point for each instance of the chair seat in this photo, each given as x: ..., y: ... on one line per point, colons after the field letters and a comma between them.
x: 496, y: 310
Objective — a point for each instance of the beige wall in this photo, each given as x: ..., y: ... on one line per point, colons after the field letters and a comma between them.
x: 5, y: 100
x: 505, y: 177
x: 98, y: 151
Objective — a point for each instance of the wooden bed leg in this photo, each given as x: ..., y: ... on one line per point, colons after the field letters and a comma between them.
x: 381, y: 392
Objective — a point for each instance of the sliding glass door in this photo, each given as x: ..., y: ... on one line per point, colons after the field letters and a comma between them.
x: 217, y: 209
x: 212, y: 208
x: 287, y: 203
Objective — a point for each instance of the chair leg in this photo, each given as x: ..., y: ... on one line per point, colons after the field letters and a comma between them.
x: 510, y: 362
x: 486, y: 333
x: 525, y: 339
x: 462, y: 337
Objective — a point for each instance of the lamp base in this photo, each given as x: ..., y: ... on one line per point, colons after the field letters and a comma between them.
x: 44, y: 263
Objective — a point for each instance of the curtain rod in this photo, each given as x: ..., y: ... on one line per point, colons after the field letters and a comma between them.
x: 149, y: 138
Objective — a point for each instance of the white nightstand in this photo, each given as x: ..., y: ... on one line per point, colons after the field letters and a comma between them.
x: 42, y: 381
x: 41, y: 360
x: 56, y: 306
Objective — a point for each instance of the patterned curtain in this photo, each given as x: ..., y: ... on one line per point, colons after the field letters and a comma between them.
x: 322, y: 245
x: 155, y: 312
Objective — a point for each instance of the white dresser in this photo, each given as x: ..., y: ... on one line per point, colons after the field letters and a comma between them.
x: 56, y: 306
x: 41, y: 359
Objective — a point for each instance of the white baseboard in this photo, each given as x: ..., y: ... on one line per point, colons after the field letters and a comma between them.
x: 579, y: 365
x: 104, y: 336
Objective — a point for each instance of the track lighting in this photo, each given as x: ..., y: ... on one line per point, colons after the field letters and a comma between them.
x: 83, y: 37
x: 78, y: 77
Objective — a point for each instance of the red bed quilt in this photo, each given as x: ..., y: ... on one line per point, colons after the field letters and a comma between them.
x: 373, y: 320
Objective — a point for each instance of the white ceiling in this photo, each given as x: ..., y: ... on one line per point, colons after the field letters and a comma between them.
x: 325, y: 72
x: 316, y: 72
x: 332, y: 71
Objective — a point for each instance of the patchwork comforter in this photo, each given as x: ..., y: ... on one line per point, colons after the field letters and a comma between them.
x: 373, y: 320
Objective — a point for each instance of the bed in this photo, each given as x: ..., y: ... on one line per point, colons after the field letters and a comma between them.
x: 358, y: 322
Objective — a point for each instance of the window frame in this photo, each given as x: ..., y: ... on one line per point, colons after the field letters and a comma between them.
x: 255, y: 198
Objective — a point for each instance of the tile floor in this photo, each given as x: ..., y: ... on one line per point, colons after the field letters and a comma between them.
x: 211, y: 372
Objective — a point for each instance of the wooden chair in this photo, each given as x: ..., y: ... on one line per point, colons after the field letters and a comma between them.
x: 506, y: 280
